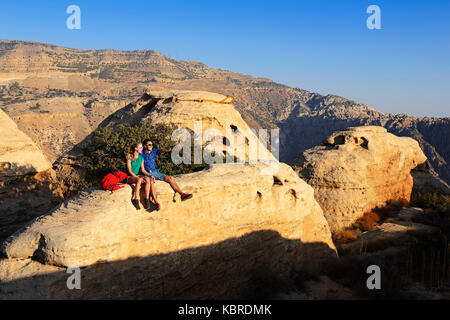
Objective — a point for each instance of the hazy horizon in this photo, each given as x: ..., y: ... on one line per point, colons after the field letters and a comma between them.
x: 322, y: 47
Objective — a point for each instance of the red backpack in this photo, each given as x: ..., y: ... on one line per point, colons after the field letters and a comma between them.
x: 110, y: 181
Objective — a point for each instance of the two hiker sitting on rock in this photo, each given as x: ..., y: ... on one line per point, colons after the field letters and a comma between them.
x: 141, y: 160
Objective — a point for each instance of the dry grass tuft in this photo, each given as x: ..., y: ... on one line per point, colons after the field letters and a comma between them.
x: 367, y: 222
x: 346, y: 235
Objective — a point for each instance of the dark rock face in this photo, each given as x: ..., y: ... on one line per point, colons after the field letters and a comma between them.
x: 249, y: 267
x: 427, y: 181
x: 26, y: 197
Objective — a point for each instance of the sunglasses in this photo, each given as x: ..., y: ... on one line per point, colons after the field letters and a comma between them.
x: 149, y: 144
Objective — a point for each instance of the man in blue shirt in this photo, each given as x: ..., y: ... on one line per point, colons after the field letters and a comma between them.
x: 149, y: 154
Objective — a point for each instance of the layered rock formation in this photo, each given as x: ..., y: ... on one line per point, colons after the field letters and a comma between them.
x: 357, y: 170
x: 58, y: 123
x: 28, y: 185
x: 203, y: 248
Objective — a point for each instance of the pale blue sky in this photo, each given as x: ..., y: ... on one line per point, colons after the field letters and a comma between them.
x: 321, y: 46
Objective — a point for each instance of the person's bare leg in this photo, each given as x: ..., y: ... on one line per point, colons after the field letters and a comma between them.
x: 138, y: 188
x: 133, y: 180
x: 147, y: 187
x: 153, y: 190
x: 135, y: 196
x: 173, y: 184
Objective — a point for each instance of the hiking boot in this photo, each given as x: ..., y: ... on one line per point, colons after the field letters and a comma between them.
x: 157, y: 206
x: 186, y: 196
x: 135, y: 203
x: 146, y: 204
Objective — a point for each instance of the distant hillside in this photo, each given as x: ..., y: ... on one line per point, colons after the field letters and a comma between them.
x: 59, y: 95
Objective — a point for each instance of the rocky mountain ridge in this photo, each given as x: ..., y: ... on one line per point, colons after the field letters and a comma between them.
x: 33, y: 76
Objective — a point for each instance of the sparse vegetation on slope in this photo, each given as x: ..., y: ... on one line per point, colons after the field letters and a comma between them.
x: 437, y: 210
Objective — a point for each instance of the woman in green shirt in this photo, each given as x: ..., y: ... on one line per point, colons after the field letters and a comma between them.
x: 135, y: 165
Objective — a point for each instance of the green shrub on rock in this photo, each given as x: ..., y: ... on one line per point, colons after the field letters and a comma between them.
x: 106, y: 150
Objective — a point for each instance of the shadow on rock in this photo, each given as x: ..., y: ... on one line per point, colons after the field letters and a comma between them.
x: 258, y: 265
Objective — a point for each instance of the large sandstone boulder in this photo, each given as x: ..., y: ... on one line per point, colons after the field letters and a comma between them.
x: 359, y: 169
x: 28, y: 186
x: 239, y: 223
x: 221, y: 125
x: 19, y: 155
